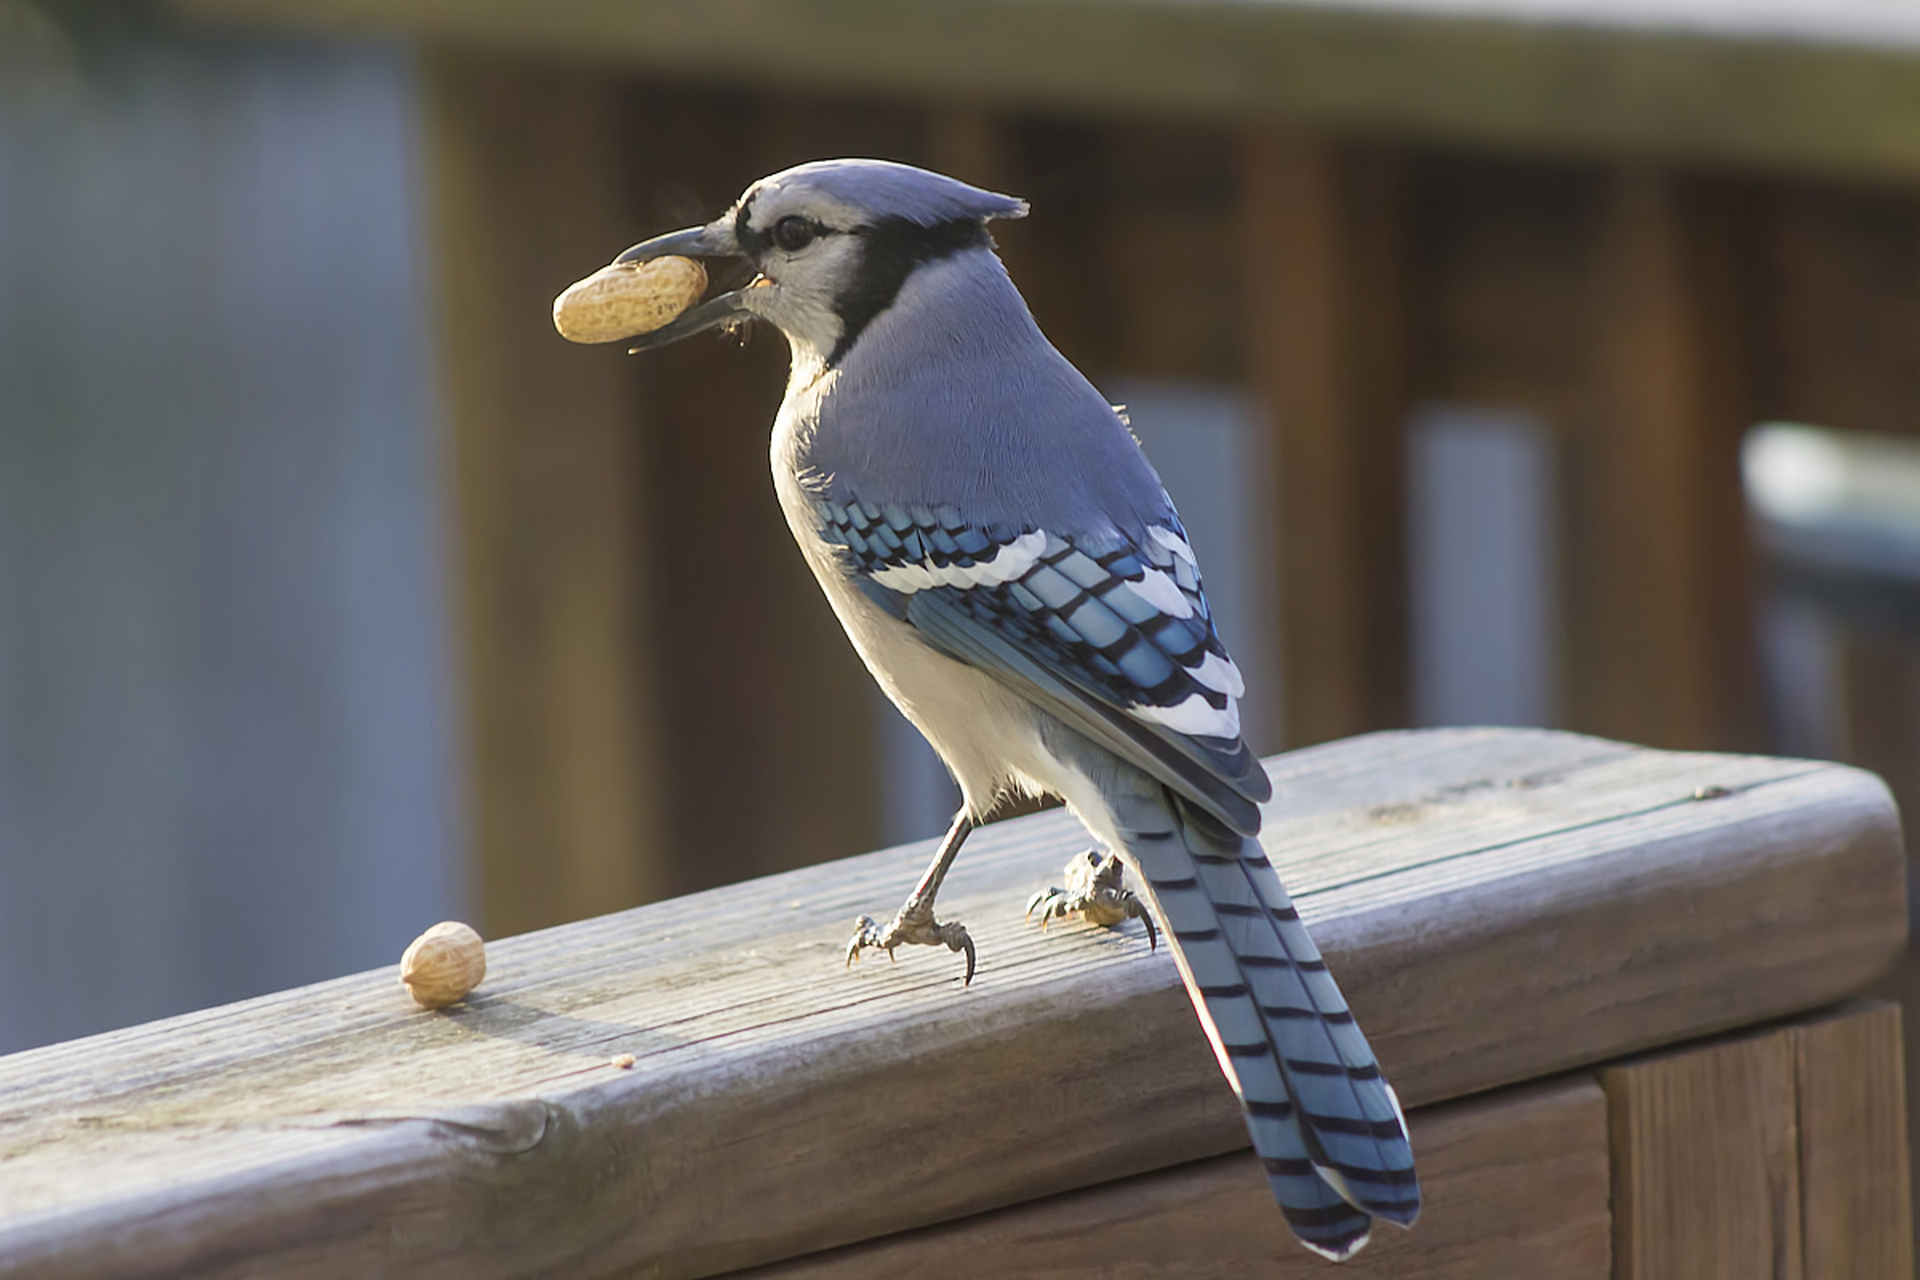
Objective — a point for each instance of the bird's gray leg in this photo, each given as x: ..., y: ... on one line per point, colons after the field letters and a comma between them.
x: 915, y: 923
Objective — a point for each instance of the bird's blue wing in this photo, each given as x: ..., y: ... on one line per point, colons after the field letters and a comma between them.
x: 1109, y: 633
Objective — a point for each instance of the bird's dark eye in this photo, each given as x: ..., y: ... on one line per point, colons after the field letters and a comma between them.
x: 794, y: 233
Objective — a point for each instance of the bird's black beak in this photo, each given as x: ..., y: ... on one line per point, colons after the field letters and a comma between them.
x: 715, y: 240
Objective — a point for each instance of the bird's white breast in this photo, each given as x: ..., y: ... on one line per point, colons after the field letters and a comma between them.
x: 986, y: 733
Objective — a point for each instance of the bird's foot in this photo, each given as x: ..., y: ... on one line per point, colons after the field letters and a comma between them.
x: 1096, y: 892
x: 914, y: 925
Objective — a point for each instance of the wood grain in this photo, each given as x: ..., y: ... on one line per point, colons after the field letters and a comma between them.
x: 1706, y: 1163
x: 1755, y: 96
x: 1499, y: 904
x: 1854, y: 1195
x: 1515, y: 1184
x: 1780, y: 1154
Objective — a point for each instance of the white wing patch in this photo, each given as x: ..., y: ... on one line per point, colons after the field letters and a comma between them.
x: 1195, y: 716
x: 1009, y: 562
x: 1219, y: 675
x: 1174, y: 543
x: 1160, y: 591
x: 1079, y: 601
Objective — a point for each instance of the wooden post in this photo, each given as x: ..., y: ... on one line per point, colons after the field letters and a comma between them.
x: 563, y: 771
x: 1170, y: 253
x: 1781, y: 1154
x: 1322, y: 228
x: 1706, y: 1169
x: 969, y: 144
x: 1841, y: 344
x: 1854, y: 1187
x: 1661, y: 638
x: 1841, y: 266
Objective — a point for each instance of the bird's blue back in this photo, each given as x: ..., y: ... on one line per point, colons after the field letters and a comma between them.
x: 953, y: 395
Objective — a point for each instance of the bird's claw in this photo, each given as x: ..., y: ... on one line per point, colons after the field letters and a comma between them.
x: 1096, y: 893
x: 866, y: 933
x: 958, y: 939
x: 912, y: 927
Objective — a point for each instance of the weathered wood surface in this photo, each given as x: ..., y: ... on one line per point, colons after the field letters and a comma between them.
x: 1857, y: 1211
x: 1514, y: 1184
x: 1781, y: 1153
x: 1776, y: 1155
x: 1826, y: 83
x: 1706, y: 1163
x: 1499, y: 904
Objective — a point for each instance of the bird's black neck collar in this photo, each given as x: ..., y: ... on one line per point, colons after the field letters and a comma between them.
x: 893, y: 248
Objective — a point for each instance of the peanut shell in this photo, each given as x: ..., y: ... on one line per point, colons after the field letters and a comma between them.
x: 443, y: 964
x: 625, y: 300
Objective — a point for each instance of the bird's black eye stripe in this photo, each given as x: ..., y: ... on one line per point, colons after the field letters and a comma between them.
x: 894, y: 247
x: 794, y: 233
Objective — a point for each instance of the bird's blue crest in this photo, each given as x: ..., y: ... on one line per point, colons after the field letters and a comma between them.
x: 888, y: 189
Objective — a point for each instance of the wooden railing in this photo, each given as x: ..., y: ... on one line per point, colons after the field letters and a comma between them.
x: 700, y: 1085
x: 1822, y: 84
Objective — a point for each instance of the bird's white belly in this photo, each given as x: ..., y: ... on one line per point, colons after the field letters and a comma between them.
x: 987, y: 734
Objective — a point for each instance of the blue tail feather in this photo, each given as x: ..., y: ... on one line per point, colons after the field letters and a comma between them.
x: 1322, y: 1117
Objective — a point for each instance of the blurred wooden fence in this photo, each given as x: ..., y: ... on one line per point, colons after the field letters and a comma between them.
x: 1635, y: 315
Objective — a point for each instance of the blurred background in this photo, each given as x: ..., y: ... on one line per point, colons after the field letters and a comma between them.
x: 1552, y: 363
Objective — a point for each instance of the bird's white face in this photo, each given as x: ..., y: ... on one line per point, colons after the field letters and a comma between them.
x: 811, y: 252
x: 833, y: 242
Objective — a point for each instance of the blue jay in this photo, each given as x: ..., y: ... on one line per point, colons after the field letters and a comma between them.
x: 1012, y: 572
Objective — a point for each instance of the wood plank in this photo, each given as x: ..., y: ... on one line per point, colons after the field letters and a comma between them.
x: 1618, y: 307
x: 1322, y: 235
x: 1841, y: 266
x: 1499, y: 905
x: 1855, y: 1199
x: 978, y: 146
x: 1515, y: 1183
x: 1902, y: 984
x: 1500, y: 246
x: 529, y: 195
x: 1706, y: 1162
x: 1169, y: 254
x: 1754, y: 93
x: 1719, y: 244
x: 1061, y: 166
x: 1660, y: 638
x: 1781, y: 1153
